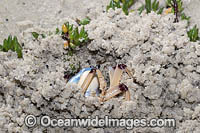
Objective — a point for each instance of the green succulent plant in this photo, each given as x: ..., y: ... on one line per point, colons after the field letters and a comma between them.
x: 85, y: 21
x: 179, y: 10
x: 36, y: 35
x: 193, y: 34
x: 124, y: 4
x: 149, y: 6
x: 57, y: 30
x: 113, y: 4
x: 184, y: 17
x: 73, y: 35
x: 13, y: 45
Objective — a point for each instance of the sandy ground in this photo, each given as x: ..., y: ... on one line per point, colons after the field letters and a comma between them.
x: 37, y: 11
x: 166, y: 63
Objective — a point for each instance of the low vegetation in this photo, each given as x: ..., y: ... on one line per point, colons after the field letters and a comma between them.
x: 73, y: 37
x: 177, y: 8
x: 85, y: 21
x: 193, y: 34
x: 12, y: 44
x: 149, y: 7
x: 36, y: 35
x: 124, y: 4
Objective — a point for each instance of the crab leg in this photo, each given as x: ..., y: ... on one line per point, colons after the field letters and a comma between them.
x: 129, y: 73
x: 88, y: 80
x: 127, y: 96
x: 102, y: 81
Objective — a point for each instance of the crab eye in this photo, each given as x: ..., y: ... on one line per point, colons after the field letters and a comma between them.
x: 93, y: 70
x: 122, y: 66
x: 67, y: 76
x: 123, y: 87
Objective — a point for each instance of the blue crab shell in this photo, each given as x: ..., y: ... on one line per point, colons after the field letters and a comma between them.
x: 79, y: 79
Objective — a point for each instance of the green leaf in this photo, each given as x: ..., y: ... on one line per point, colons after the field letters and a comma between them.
x: 113, y: 4
x: 18, y: 50
x: 154, y: 5
x: 130, y: 3
x: 70, y: 52
x: 71, y: 37
x: 169, y: 3
x: 43, y: 35
x: 57, y: 31
x: 35, y: 35
x: 76, y: 33
x: 180, y: 6
x: 157, y: 6
x: 184, y: 17
x: 5, y: 46
x: 72, y: 46
x: 15, y: 42
x: 160, y: 10
x: 193, y: 34
x: 9, y: 42
x: 196, y: 32
x: 125, y: 7
x: 82, y: 32
x: 141, y: 9
x: 83, y: 35
x: 1, y: 47
x: 148, y: 6
x: 85, y: 21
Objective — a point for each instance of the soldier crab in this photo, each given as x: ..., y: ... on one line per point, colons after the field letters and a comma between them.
x: 92, y: 82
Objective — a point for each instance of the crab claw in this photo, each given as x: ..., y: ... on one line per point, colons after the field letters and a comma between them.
x: 117, y: 75
x: 111, y: 72
x: 114, y: 91
x: 88, y: 80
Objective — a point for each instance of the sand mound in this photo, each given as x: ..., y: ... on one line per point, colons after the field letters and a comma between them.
x: 165, y: 63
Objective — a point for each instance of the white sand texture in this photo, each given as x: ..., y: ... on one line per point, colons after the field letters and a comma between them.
x: 166, y: 64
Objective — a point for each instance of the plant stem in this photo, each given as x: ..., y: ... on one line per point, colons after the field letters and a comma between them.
x: 175, y: 5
